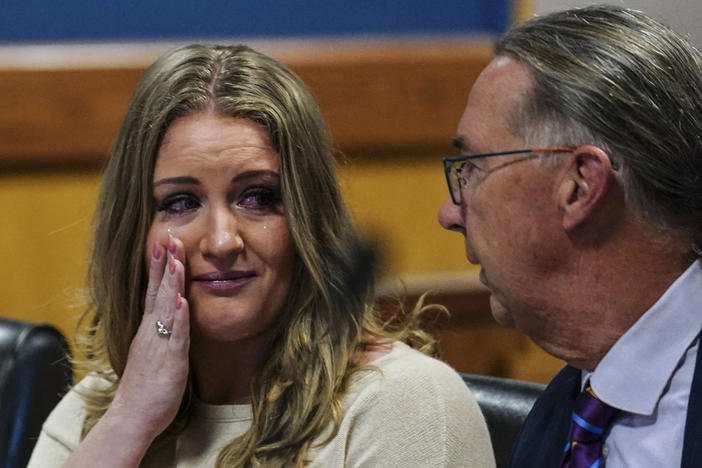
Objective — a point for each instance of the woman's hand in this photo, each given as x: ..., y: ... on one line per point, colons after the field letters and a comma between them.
x: 154, y: 380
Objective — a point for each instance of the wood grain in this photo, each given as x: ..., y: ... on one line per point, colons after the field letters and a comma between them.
x: 374, y: 97
x: 382, y: 101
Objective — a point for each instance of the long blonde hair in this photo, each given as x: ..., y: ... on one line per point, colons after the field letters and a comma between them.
x: 297, y: 392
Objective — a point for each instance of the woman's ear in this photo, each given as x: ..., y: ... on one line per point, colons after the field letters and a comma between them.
x: 584, y: 185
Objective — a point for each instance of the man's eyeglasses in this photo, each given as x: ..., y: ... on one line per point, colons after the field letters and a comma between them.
x: 460, y: 171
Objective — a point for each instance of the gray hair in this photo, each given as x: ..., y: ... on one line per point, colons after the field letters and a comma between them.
x: 616, y: 78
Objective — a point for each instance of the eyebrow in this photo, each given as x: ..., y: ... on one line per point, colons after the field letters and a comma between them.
x: 255, y: 174
x: 177, y: 180
x: 462, y: 145
x: 187, y: 180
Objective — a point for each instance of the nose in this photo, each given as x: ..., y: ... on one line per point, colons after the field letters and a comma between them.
x: 451, y: 216
x: 222, y: 237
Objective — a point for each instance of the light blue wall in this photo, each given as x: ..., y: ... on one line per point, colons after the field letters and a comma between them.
x: 97, y: 20
x: 685, y: 16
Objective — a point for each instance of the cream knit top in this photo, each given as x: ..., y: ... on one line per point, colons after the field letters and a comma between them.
x: 413, y: 411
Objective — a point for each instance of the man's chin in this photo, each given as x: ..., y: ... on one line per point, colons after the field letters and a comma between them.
x: 500, y: 313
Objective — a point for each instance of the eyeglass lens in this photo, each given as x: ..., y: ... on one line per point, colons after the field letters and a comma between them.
x: 456, y: 179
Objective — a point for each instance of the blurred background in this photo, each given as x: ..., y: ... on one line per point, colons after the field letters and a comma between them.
x: 391, y: 78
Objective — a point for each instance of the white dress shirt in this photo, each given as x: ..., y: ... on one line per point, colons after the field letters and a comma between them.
x: 648, y: 374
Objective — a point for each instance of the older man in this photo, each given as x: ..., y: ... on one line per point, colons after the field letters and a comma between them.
x: 579, y: 193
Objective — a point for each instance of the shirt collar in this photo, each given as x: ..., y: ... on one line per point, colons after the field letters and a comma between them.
x: 635, y: 371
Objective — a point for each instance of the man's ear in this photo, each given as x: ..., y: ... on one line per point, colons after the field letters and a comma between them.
x: 584, y: 185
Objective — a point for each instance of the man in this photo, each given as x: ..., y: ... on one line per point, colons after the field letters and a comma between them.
x: 590, y: 242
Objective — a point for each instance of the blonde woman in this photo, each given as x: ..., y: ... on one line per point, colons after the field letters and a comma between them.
x: 231, y: 320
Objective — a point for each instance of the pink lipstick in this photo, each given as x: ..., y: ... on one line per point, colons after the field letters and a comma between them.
x: 224, y: 280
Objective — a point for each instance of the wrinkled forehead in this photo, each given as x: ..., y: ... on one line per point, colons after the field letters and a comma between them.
x: 487, y: 123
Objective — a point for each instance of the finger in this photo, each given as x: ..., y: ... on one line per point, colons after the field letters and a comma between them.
x: 180, y: 336
x: 171, y: 286
x: 175, y: 247
x: 156, y: 269
x: 177, y: 278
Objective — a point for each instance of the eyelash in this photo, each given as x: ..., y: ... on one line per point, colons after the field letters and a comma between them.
x: 168, y: 205
x: 257, y: 198
x: 265, y: 197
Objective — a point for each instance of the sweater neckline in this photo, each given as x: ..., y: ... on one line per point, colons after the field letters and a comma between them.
x: 202, y: 410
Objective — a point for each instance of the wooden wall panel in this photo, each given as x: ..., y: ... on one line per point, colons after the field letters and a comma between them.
x: 406, y: 99
x: 62, y: 116
x: 385, y: 104
x: 400, y: 97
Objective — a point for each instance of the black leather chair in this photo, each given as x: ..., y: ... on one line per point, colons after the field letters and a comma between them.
x: 34, y: 374
x: 505, y: 404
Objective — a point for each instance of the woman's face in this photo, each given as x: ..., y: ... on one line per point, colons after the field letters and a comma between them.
x: 216, y: 187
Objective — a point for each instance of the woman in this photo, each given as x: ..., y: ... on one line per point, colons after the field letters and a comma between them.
x: 231, y: 321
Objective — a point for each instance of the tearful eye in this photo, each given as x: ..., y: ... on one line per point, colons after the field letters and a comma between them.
x: 178, y: 204
x: 259, y: 198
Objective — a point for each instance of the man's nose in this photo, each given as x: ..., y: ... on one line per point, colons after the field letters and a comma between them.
x: 451, y: 216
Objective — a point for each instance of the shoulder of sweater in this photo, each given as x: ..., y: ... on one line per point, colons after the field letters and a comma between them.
x: 65, y: 422
x: 405, y: 391
x: 404, y: 363
x: 405, y: 372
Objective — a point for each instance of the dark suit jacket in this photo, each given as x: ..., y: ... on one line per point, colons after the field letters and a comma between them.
x: 545, y: 431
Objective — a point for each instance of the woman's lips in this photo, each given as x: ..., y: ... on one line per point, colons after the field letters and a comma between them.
x: 222, y: 281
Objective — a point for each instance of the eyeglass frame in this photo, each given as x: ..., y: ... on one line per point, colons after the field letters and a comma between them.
x: 449, y: 162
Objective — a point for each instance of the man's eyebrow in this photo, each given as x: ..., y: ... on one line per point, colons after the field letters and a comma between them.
x: 462, y: 145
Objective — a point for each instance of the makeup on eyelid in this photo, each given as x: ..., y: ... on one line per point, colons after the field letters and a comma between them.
x: 239, y: 255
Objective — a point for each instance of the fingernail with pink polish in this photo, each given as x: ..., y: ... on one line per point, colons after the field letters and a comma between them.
x: 156, y: 251
x: 171, y: 244
x: 171, y: 265
x: 179, y: 301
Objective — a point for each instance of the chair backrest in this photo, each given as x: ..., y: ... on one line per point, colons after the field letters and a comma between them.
x: 34, y: 374
x: 505, y: 404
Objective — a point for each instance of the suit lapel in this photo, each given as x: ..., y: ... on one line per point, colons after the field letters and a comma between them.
x: 545, y: 431
x: 692, y: 447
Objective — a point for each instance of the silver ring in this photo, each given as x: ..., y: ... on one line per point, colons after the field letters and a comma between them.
x: 161, y: 328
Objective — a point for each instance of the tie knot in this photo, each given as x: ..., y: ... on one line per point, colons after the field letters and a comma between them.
x: 591, y: 417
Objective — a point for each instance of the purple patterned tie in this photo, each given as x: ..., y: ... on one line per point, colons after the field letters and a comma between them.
x: 591, y: 419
